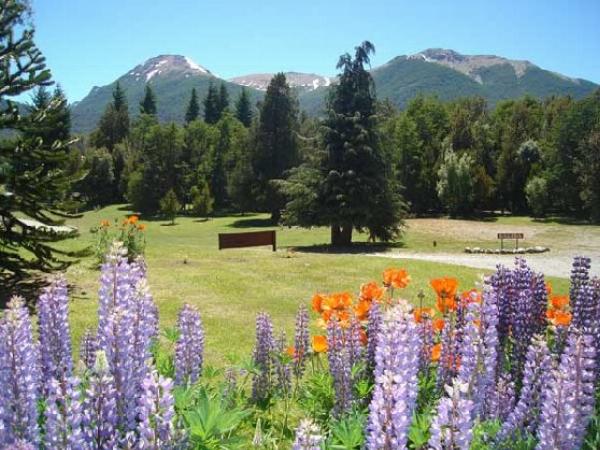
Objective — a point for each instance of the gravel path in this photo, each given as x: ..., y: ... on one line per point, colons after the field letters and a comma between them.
x: 558, y: 265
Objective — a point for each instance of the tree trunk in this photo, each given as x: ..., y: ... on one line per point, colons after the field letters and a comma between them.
x: 341, y: 235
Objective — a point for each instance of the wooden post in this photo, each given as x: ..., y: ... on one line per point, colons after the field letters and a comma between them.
x: 274, y: 241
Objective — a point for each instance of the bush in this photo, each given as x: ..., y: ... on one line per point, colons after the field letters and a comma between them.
x: 537, y: 195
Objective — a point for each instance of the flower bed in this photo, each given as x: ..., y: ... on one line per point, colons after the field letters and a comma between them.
x: 509, y: 366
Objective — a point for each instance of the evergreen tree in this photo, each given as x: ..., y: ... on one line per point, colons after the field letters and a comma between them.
x: 97, y: 185
x: 223, y: 100
x: 33, y: 181
x: 193, y: 109
x: 113, y: 126
x: 276, y: 146
x: 351, y: 186
x: 243, y: 109
x: 212, y: 103
x: 148, y: 104
x: 170, y: 206
x: 202, y: 200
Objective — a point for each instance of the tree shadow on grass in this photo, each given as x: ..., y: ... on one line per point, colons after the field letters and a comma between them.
x: 169, y: 224
x: 252, y: 222
x: 357, y: 248
x: 562, y: 220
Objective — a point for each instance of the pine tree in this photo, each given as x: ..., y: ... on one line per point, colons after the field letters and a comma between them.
x: 276, y: 146
x: 113, y: 126
x: 223, y: 100
x: 33, y: 181
x: 211, y: 105
x: 349, y: 185
x: 193, y: 109
x: 202, y: 200
x: 243, y: 109
x: 148, y: 104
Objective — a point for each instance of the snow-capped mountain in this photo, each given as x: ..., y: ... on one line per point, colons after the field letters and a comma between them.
x: 165, y: 65
x: 301, y: 81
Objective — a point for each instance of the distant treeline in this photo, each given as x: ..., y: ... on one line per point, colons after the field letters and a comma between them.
x: 524, y: 156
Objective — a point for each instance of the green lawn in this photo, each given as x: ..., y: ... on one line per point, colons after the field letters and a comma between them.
x: 231, y: 286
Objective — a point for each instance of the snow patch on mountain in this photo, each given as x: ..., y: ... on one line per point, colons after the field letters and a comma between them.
x: 303, y: 81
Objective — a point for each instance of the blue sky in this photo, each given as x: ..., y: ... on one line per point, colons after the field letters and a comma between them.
x: 88, y: 42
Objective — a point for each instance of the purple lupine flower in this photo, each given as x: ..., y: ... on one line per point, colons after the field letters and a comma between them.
x: 263, y: 359
x: 63, y: 415
x: 450, y: 340
x: 301, y: 341
x: 373, y: 326
x: 144, y: 323
x: 470, y: 350
x: 308, y: 436
x: 116, y: 288
x: 501, y: 400
x: 491, y: 346
x: 340, y: 367
x: 396, y: 382
x: 451, y: 427
x: 20, y: 445
x: 189, y: 348
x: 99, y: 421
x: 118, y: 348
x: 568, y: 400
x: 282, y: 368
x: 54, y: 332
x: 538, y: 366
x: 20, y: 376
x: 155, y: 413
x: 88, y: 348
x: 353, y: 342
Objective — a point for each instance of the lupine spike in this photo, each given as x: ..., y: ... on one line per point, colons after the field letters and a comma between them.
x: 155, y: 413
x: 88, y: 348
x: 451, y: 427
x: 189, y: 348
x: 63, y: 415
x: 568, y: 400
x: 99, y: 422
x: 340, y: 367
x: 396, y: 383
x: 374, y: 326
x: 263, y: 358
x: 282, y: 368
x: 54, y: 332
x: 301, y: 341
x: 308, y: 436
x: 20, y: 377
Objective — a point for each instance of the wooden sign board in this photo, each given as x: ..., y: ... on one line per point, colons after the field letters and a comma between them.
x: 510, y: 235
x: 249, y: 239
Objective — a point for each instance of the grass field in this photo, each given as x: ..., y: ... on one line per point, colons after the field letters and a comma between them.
x: 231, y: 286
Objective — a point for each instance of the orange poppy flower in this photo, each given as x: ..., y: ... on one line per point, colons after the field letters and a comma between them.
x: 421, y: 313
x: 133, y: 219
x: 104, y: 223
x: 319, y: 344
x: 397, y: 278
x: 445, y: 287
x: 371, y: 291
x: 141, y: 227
x: 550, y: 313
x: 361, y: 310
x: 438, y: 324
x: 436, y: 352
x: 561, y: 318
x: 445, y: 304
x: 317, y: 302
x: 559, y: 301
x: 291, y: 351
x: 339, y: 300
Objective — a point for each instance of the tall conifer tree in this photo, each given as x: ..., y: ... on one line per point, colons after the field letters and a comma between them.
x: 148, y: 104
x: 276, y: 146
x: 193, y: 110
x: 243, y: 109
x: 211, y: 105
x: 32, y: 179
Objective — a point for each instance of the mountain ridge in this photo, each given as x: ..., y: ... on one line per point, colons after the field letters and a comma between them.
x: 437, y: 71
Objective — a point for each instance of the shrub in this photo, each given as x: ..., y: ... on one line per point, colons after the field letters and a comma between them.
x: 537, y: 195
x: 170, y: 206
